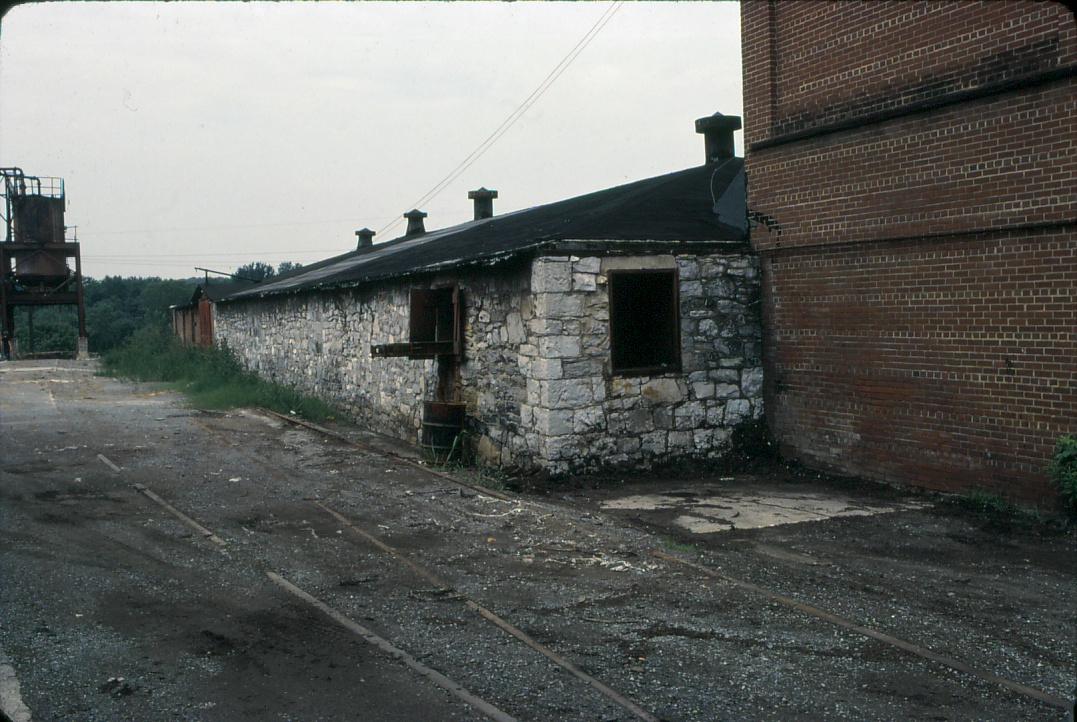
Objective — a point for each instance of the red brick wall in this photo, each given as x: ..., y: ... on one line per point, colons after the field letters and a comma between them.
x: 919, y: 300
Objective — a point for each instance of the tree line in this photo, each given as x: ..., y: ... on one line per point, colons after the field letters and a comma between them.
x: 116, y: 307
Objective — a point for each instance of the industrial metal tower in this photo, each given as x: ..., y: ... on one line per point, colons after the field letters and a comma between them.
x: 35, y: 253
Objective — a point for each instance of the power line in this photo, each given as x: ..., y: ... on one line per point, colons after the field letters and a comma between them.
x: 518, y: 113
x: 137, y: 256
x: 222, y: 228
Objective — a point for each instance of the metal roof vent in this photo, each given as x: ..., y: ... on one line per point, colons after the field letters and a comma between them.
x: 717, y: 133
x: 365, y: 238
x: 415, y: 222
x: 484, y: 202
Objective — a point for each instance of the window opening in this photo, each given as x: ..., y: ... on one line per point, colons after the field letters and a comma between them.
x: 434, y: 326
x: 644, y: 322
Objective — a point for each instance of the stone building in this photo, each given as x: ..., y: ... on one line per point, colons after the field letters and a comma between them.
x: 916, y: 164
x: 615, y: 329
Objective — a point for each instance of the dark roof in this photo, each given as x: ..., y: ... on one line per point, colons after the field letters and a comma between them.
x: 215, y: 290
x: 687, y: 209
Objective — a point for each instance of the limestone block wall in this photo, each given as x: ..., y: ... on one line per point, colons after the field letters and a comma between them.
x: 536, y: 373
x: 578, y: 416
x: 320, y: 343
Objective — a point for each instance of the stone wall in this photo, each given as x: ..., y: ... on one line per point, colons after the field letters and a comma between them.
x: 536, y: 372
x: 581, y: 417
x: 320, y: 343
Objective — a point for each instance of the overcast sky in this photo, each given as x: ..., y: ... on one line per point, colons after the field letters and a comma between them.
x: 212, y: 134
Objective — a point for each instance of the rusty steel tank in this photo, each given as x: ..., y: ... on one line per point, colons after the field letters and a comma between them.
x: 36, y: 223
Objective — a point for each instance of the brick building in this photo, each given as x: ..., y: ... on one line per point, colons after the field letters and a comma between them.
x: 917, y: 168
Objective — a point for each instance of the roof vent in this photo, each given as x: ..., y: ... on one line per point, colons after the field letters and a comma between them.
x: 415, y: 222
x: 717, y: 133
x: 484, y: 202
x: 365, y: 238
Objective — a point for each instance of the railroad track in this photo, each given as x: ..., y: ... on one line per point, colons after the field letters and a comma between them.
x: 422, y: 572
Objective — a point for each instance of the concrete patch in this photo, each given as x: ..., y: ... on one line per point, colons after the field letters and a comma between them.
x: 11, y: 704
x: 753, y: 510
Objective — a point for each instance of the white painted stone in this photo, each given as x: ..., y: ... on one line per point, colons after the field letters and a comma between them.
x: 584, y: 282
x: 691, y: 289
x: 567, y: 393
x: 726, y: 391
x: 553, y: 422
x: 559, y: 447
x: 558, y: 305
x: 534, y: 392
x: 527, y: 415
x: 514, y: 327
x: 588, y: 419
x: 546, y: 368
x: 751, y: 381
x: 688, y: 268
x: 736, y: 411
x: 653, y: 443
x: 703, y: 390
x: 679, y: 441
x: 716, y: 415
x: 551, y: 275
x: 589, y: 264
x: 689, y: 415
x: 727, y: 376
x: 558, y: 346
x: 542, y: 326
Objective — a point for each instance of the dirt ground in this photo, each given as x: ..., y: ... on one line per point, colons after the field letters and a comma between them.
x: 113, y: 608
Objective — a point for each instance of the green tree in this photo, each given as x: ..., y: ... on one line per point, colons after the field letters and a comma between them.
x: 256, y: 271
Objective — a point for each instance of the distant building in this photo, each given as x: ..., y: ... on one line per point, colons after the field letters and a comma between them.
x: 192, y: 322
x: 916, y: 165
x: 619, y: 328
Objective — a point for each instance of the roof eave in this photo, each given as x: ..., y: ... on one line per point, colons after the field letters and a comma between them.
x: 569, y: 245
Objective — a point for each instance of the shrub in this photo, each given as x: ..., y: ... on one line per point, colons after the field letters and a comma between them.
x: 1063, y: 471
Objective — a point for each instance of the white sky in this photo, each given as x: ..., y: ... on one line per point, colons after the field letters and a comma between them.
x: 213, y: 134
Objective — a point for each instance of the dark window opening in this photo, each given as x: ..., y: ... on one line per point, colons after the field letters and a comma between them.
x: 644, y: 322
x: 434, y: 326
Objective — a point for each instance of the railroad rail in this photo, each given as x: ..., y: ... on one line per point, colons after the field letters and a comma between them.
x: 487, y: 709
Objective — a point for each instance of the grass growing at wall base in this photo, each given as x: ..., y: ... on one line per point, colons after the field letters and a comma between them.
x: 211, y: 378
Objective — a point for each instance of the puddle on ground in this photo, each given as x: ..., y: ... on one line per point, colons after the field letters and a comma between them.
x: 707, y: 514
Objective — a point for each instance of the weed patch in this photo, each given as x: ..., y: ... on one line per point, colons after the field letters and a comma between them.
x: 212, y: 378
x: 678, y: 546
x: 1063, y: 471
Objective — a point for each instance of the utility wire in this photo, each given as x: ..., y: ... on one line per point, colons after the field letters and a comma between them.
x: 518, y: 113
x: 176, y: 256
x: 466, y: 163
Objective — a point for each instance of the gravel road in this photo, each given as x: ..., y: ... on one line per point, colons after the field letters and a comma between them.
x: 112, y: 608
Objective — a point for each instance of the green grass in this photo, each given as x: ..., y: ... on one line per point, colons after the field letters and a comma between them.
x: 985, y: 502
x: 678, y: 546
x: 211, y: 378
